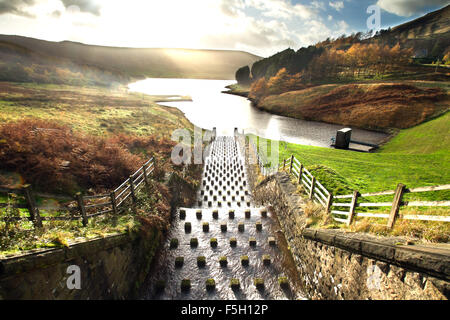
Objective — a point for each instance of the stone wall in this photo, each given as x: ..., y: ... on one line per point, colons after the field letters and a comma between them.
x: 334, y: 264
x: 110, y: 268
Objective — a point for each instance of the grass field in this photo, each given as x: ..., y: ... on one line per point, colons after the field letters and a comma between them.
x: 93, y: 110
x: 418, y: 156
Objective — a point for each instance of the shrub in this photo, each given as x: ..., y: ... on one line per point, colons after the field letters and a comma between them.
x: 50, y: 156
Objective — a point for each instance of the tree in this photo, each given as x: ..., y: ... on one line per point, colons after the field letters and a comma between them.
x: 258, y: 89
x: 243, y: 75
x: 438, y: 50
x: 446, y: 58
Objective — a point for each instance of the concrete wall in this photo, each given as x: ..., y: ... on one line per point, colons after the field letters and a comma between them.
x: 334, y: 264
x: 110, y: 268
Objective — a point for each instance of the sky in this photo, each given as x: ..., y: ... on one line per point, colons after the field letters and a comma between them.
x: 262, y: 27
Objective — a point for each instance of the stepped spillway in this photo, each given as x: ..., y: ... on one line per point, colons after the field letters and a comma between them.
x: 224, y: 225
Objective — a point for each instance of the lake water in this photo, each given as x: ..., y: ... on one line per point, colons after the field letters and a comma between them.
x: 211, y: 108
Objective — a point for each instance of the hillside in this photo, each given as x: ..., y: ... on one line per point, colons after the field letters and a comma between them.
x: 428, y: 35
x: 372, y: 83
x: 372, y: 106
x: 431, y: 25
x: 134, y: 62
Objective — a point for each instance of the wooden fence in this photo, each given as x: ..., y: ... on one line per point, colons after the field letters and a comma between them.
x: 394, y: 205
x: 317, y: 192
x: 79, y: 206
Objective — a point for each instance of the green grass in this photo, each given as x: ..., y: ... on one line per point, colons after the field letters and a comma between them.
x: 19, y: 236
x: 23, y: 236
x: 93, y: 110
x: 418, y: 156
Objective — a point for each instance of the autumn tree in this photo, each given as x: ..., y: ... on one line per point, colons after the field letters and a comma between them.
x: 446, y: 58
x: 258, y: 89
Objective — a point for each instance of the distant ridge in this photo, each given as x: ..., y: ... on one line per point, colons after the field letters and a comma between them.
x: 429, y: 25
x: 140, y: 62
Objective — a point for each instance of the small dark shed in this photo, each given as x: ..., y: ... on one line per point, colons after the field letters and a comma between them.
x: 343, y: 137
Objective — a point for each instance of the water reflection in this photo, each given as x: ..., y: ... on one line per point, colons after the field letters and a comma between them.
x: 211, y: 108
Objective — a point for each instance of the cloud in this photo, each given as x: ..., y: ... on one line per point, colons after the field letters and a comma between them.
x: 407, y: 8
x: 337, y: 5
x: 16, y: 7
x: 281, y: 9
x: 253, y: 34
x: 56, y: 14
x: 88, y: 6
x: 318, y: 5
x: 232, y: 7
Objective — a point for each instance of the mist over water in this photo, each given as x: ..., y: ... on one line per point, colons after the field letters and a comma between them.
x: 211, y: 108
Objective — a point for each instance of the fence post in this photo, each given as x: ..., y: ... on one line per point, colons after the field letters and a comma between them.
x: 82, y: 209
x: 300, y: 174
x: 133, y: 194
x: 34, y: 211
x: 396, y: 205
x: 329, y: 202
x: 351, y: 214
x: 292, y: 162
x: 145, y: 176
x: 112, y: 195
x: 313, y: 183
x: 284, y: 163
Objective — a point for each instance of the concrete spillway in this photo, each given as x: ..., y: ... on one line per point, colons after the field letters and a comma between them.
x: 214, y: 240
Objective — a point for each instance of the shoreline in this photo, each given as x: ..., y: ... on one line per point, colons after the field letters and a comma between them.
x: 390, y: 131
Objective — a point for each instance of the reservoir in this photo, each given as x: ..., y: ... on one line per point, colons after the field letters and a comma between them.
x: 211, y: 108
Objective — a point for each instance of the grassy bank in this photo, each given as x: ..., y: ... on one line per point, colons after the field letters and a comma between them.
x: 60, y: 138
x: 418, y: 156
x: 92, y: 110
